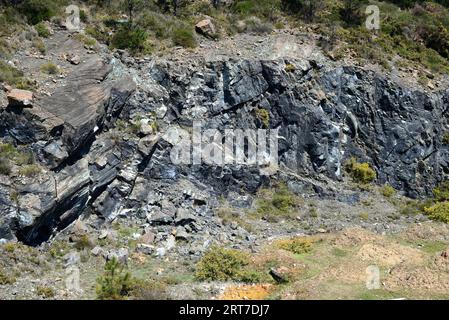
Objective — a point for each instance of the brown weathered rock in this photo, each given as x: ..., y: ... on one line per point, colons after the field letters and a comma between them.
x: 20, y: 98
x: 206, y: 28
x: 75, y: 59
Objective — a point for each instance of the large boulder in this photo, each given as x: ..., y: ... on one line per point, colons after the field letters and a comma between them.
x: 206, y: 28
x: 19, y: 98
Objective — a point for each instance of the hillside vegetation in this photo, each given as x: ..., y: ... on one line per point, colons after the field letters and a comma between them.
x: 411, y: 32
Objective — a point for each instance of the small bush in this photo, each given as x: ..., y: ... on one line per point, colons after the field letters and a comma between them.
x: 438, y: 212
x: 351, y: 12
x: 298, y: 245
x: 115, y: 284
x: 83, y: 16
x: 45, y: 292
x: 290, y: 68
x: 50, y: 68
x: 184, y: 37
x: 129, y: 38
x: 263, y: 116
x: 221, y: 264
x: 277, y: 204
x: 38, y: 10
x: 445, y: 139
x: 387, y: 191
x: 42, y: 30
x: 360, y: 172
x: 441, y: 193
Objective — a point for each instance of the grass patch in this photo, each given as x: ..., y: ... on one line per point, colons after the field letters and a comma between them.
x: 184, y: 37
x: 40, y: 45
x: 387, y: 191
x: 50, y: 68
x: 30, y: 170
x: 45, y: 292
x: 298, y: 245
x: 6, y: 279
x: 86, y: 40
x: 276, y: 204
x: 229, y: 216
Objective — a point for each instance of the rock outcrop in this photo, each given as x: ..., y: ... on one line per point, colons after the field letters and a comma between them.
x: 324, y: 115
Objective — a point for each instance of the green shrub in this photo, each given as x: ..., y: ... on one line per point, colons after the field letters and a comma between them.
x: 129, y: 38
x: 351, y: 12
x: 441, y: 192
x: 50, y: 68
x: 83, y: 16
x: 277, y: 204
x: 115, y: 284
x: 306, y: 9
x: 438, y: 212
x: 184, y: 37
x: 298, y: 245
x: 360, y: 172
x: 387, y: 191
x: 42, y: 30
x: 45, y: 292
x: 221, y: 264
x: 38, y: 10
x: 266, y: 9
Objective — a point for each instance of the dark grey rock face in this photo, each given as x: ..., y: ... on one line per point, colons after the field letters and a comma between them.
x: 324, y: 116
